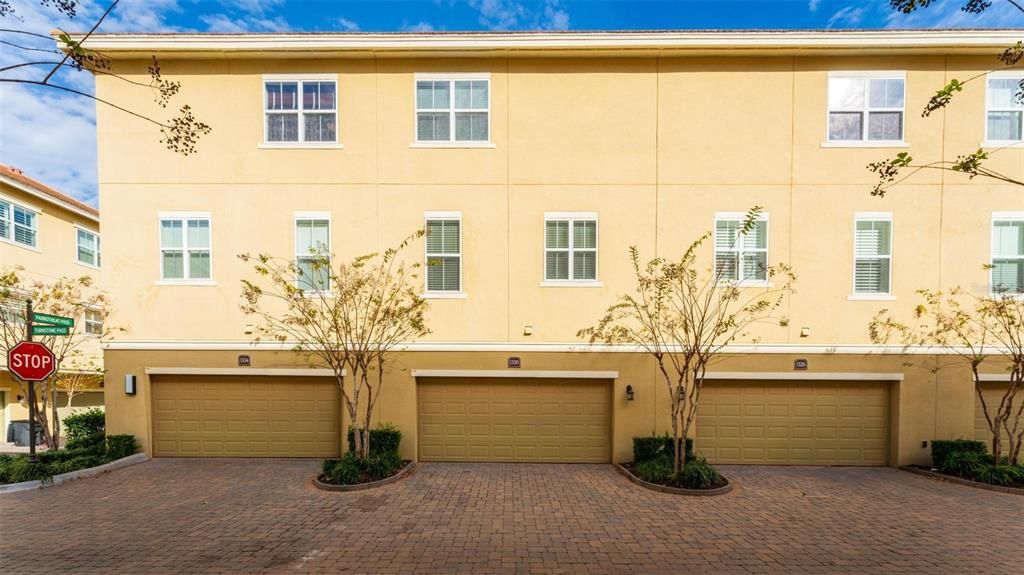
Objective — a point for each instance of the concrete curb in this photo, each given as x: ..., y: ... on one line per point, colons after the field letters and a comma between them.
x: 73, y: 475
x: 675, y: 490
x: 361, y: 486
x: 961, y: 481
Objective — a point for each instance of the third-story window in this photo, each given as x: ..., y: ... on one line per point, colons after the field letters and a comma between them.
x: 741, y: 256
x: 1008, y: 253
x: 865, y: 108
x: 452, y: 110
x: 1004, y: 109
x: 872, y: 254
x: 185, y: 248
x: 300, y: 111
x: 570, y: 247
x: 18, y: 224
x: 312, y: 252
x: 88, y: 247
x: 444, y: 253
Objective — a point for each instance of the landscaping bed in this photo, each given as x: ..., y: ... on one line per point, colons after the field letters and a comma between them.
x: 968, y: 462
x: 383, y: 465
x: 652, y: 467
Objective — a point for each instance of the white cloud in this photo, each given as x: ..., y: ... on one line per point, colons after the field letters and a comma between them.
x: 418, y: 27
x: 948, y: 14
x: 499, y: 14
x: 347, y: 25
x: 225, y: 23
x: 813, y: 5
x: 555, y: 18
x: 848, y: 17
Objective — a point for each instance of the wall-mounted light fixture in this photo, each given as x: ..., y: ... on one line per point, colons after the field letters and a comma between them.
x: 129, y: 384
x: 630, y: 394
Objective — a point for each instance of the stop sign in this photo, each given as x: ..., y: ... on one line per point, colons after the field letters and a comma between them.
x: 31, y: 361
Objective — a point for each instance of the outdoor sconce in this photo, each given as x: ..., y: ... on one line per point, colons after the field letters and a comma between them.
x: 630, y: 395
x: 129, y: 384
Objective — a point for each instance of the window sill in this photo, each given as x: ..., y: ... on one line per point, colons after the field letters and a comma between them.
x: 300, y: 146
x: 443, y: 295
x: 1007, y: 295
x: 870, y: 297
x: 866, y: 144
x: 85, y: 265
x: 185, y: 283
x: 572, y: 283
x: 747, y: 284
x: 452, y: 145
x: 21, y: 245
x: 996, y: 144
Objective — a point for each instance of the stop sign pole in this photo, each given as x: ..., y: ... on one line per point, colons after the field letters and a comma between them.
x: 31, y: 390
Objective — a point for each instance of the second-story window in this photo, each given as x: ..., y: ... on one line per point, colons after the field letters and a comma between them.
x: 312, y: 252
x: 444, y: 252
x: 88, y: 248
x: 453, y: 109
x: 300, y: 111
x: 741, y: 256
x: 18, y: 224
x: 93, y: 322
x: 1008, y: 253
x: 570, y: 247
x: 185, y: 248
x: 1004, y: 113
x: 872, y: 254
x: 865, y: 108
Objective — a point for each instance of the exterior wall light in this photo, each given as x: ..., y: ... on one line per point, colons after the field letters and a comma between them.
x: 129, y: 384
x: 630, y: 394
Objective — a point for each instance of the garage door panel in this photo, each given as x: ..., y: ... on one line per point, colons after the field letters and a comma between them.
x: 245, y: 417
x: 795, y: 423
x: 518, y: 420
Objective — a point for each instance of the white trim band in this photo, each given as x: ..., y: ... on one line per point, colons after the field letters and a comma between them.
x: 803, y: 376
x: 256, y: 371
x: 516, y: 373
x: 984, y: 377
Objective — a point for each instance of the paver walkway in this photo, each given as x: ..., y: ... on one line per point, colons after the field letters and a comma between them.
x: 264, y: 516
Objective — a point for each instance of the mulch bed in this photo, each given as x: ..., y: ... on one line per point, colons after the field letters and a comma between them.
x: 719, y: 488
x: 1015, y: 489
x: 321, y: 482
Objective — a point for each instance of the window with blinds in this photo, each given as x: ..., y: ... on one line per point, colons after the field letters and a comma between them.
x: 313, y: 253
x: 444, y: 255
x: 570, y: 249
x: 88, y: 251
x: 18, y: 224
x: 1008, y: 255
x: 740, y: 257
x: 872, y: 256
x: 1004, y: 109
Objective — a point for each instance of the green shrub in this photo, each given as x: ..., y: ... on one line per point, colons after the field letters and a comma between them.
x: 121, y: 445
x: 21, y: 469
x: 60, y: 455
x: 696, y: 474
x: 85, y: 441
x: 655, y: 446
x: 345, y: 471
x: 999, y: 474
x: 85, y: 425
x: 941, y: 449
x: 382, y: 465
x: 76, y: 463
x: 962, y: 463
x: 654, y: 470
x: 383, y: 439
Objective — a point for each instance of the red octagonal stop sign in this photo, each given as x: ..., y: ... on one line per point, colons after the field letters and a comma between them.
x: 31, y: 361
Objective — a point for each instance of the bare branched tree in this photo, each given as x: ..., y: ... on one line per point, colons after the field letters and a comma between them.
x: 350, y: 317
x: 684, y: 317
x: 180, y: 133
x: 977, y: 330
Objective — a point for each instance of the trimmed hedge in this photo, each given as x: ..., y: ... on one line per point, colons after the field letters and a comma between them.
x: 351, y: 470
x: 85, y: 428
x: 658, y: 446
x: 18, y: 468
x: 943, y: 448
x: 383, y: 439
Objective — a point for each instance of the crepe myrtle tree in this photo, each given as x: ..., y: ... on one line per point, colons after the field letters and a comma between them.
x: 41, y: 62
x: 978, y: 330
x: 684, y: 315
x: 68, y: 297
x: 350, y: 316
x: 899, y: 168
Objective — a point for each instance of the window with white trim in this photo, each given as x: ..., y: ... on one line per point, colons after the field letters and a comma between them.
x: 88, y: 248
x: 93, y: 322
x: 570, y: 248
x: 300, y: 111
x: 453, y: 110
x: 1008, y: 254
x: 185, y: 250
x: 865, y: 108
x: 18, y: 224
x: 872, y: 255
x: 312, y: 253
x: 741, y: 256
x: 444, y: 253
x: 1004, y: 108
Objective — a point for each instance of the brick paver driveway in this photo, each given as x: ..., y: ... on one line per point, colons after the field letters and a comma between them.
x: 246, y: 516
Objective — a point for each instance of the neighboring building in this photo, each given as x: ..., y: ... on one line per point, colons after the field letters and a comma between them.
x: 536, y: 160
x: 46, y: 235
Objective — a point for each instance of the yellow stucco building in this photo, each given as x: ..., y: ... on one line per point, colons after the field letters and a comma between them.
x: 536, y: 160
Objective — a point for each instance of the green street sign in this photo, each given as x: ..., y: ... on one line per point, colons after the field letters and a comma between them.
x: 51, y: 330
x: 52, y: 320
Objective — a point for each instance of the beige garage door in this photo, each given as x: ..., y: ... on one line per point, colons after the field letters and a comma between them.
x: 794, y: 423
x: 994, y: 393
x: 245, y: 417
x: 559, y: 420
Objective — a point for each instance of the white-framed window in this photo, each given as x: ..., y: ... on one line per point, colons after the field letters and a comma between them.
x: 18, y: 224
x: 93, y: 322
x: 443, y: 252
x: 570, y: 247
x: 88, y: 247
x: 313, y: 251
x: 453, y: 108
x: 741, y: 257
x: 300, y: 109
x: 872, y: 254
x: 866, y: 106
x: 185, y: 247
x: 1004, y: 107
x: 1008, y: 253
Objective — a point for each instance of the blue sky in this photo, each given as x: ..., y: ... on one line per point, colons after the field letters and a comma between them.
x: 51, y: 136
